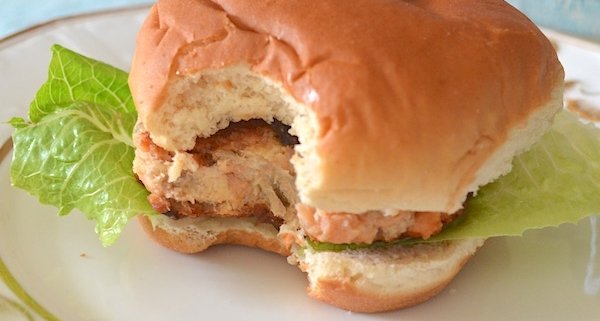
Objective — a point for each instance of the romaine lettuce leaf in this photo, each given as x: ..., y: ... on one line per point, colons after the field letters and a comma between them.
x: 76, y: 149
x: 73, y: 77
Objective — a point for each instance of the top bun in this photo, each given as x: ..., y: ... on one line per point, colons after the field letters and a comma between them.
x: 405, y: 105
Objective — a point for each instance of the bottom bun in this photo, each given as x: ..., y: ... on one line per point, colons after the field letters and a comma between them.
x: 366, y: 280
x: 376, y: 280
x: 192, y: 235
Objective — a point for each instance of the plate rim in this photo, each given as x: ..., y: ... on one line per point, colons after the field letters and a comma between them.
x: 5, y: 149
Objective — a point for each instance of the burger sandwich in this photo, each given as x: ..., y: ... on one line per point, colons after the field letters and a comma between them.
x: 353, y: 137
x: 274, y: 124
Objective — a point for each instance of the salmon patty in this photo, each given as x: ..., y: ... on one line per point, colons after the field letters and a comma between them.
x: 240, y: 171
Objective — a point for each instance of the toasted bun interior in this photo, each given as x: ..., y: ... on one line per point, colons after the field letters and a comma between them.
x: 192, y: 235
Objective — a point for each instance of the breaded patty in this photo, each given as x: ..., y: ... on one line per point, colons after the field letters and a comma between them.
x: 241, y: 171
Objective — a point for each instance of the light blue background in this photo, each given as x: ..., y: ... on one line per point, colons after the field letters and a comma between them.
x: 17, y: 15
x: 578, y: 17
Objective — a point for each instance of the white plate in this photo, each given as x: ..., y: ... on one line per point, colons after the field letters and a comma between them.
x: 55, y: 269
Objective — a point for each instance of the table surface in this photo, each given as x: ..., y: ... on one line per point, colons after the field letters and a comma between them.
x: 577, y: 17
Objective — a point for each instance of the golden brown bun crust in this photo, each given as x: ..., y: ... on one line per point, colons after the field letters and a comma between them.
x: 187, y: 243
x: 387, y: 102
x: 376, y: 280
x: 346, y: 295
